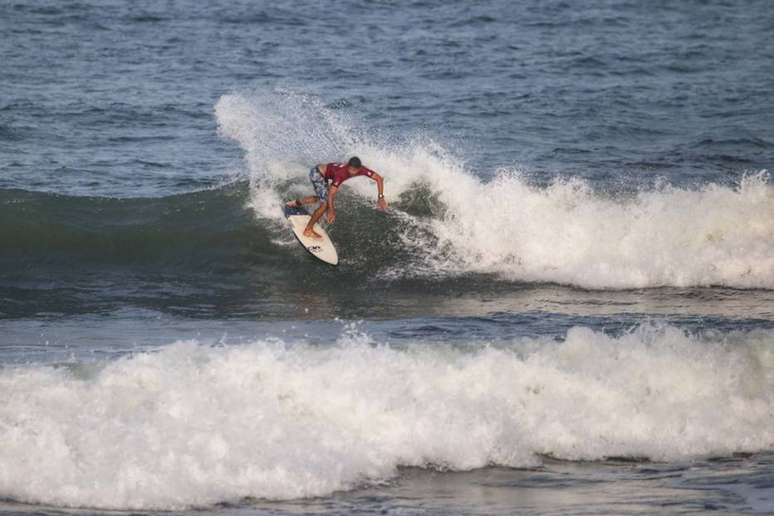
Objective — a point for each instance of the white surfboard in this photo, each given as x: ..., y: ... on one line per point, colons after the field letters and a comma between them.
x: 320, y: 248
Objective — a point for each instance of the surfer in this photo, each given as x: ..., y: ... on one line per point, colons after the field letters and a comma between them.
x: 326, y: 180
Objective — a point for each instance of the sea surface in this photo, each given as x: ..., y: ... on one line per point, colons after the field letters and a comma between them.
x: 567, y: 309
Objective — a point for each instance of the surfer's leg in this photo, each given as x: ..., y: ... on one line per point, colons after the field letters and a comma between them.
x: 309, y: 230
x: 319, y: 185
x: 320, y: 190
x: 295, y: 203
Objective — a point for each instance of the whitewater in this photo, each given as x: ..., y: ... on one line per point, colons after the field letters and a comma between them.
x: 566, y: 232
x: 192, y: 424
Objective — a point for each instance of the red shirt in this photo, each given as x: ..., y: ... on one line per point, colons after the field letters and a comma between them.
x: 337, y: 173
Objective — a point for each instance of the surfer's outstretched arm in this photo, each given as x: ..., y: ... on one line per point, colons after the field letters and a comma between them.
x: 380, y: 203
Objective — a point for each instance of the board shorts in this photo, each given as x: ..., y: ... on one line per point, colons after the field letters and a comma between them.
x: 319, y: 184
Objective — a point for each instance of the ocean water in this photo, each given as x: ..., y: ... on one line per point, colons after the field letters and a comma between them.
x: 568, y: 308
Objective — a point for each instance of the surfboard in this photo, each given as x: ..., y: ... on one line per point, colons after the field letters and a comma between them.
x: 320, y: 248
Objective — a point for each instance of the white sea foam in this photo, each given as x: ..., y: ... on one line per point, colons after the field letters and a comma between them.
x: 192, y: 425
x: 565, y: 233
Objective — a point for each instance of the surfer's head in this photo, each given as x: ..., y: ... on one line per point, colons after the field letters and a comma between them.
x: 353, y: 165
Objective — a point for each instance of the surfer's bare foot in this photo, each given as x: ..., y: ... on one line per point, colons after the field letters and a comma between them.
x: 309, y: 232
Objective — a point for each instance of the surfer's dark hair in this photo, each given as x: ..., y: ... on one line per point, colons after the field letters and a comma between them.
x: 354, y: 161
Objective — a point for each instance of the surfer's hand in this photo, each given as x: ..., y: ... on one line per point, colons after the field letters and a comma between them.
x: 381, y: 204
x: 330, y: 216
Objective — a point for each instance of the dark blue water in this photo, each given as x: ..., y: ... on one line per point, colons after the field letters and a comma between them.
x: 116, y: 98
x: 569, y: 306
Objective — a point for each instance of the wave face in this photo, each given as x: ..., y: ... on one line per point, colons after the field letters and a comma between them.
x: 452, y: 222
x: 193, y: 229
x: 193, y: 425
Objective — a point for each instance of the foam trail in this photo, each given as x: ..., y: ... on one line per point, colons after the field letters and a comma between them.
x: 192, y: 425
x: 564, y: 233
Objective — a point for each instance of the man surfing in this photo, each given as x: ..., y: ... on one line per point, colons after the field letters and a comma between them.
x: 326, y: 180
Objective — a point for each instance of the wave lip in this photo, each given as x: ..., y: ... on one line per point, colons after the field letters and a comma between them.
x: 193, y: 425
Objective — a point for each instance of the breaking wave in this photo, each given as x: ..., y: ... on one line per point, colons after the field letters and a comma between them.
x: 193, y: 424
x: 452, y: 222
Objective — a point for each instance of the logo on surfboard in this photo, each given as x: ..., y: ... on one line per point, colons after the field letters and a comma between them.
x: 314, y: 248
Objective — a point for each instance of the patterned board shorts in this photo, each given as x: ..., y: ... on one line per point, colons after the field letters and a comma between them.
x: 319, y: 184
